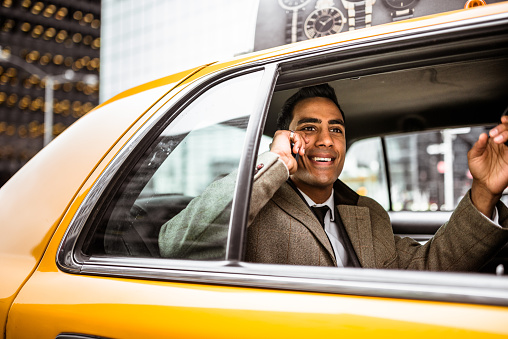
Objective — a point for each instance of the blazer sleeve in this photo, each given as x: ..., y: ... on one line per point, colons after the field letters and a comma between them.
x: 200, y: 230
x: 465, y: 243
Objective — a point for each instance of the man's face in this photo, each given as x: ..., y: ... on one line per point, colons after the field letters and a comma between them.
x: 321, y: 121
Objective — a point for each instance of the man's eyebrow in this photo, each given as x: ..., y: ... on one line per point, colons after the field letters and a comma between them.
x: 307, y: 120
x: 336, y: 122
x: 314, y: 120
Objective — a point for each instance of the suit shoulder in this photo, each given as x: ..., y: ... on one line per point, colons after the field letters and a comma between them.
x: 374, y: 206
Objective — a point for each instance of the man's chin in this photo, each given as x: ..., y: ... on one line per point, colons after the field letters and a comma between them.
x: 314, y: 181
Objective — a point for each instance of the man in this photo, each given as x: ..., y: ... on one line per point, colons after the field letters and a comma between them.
x: 352, y: 230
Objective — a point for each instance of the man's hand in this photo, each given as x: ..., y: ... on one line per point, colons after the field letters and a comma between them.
x: 281, y: 145
x: 488, y: 163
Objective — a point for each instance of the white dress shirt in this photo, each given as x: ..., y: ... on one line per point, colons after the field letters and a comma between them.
x: 331, y: 228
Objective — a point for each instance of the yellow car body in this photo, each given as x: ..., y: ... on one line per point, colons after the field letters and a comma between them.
x: 40, y: 300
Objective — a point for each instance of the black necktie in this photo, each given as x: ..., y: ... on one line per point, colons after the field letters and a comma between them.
x: 320, y: 213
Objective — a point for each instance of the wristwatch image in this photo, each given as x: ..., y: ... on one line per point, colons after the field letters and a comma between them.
x: 294, y: 19
x: 325, y: 20
x: 359, y: 13
x: 401, y: 9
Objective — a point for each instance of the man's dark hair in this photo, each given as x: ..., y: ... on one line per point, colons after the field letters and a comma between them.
x: 322, y: 91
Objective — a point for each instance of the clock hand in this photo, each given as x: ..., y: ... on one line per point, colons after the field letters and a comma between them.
x: 325, y: 22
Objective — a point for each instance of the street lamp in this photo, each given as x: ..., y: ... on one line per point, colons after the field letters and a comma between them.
x: 68, y: 76
x: 446, y: 149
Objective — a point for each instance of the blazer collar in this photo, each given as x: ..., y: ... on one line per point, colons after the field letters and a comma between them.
x: 356, y: 219
x: 344, y: 195
x: 290, y: 200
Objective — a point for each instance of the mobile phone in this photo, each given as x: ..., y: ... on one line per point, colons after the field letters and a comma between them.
x: 505, y: 113
x: 296, y: 156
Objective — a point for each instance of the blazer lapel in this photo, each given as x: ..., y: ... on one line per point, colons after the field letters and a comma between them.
x: 289, y: 201
x: 356, y: 221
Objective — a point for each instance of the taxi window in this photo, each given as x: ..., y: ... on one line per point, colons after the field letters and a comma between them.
x: 202, y: 145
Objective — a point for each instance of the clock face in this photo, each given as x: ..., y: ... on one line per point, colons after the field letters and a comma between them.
x: 400, y: 4
x: 324, y: 22
x: 293, y: 4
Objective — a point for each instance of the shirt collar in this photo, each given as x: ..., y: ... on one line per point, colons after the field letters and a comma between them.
x: 329, y: 202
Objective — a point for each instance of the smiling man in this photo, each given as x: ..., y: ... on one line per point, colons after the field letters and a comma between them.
x: 320, y: 125
x: 302, y: 214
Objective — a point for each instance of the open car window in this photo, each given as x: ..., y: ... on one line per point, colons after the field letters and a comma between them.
x: 409, y: 126
x: 427, y: 171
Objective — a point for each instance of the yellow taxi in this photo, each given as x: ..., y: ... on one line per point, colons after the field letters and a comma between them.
x: 79, y: 254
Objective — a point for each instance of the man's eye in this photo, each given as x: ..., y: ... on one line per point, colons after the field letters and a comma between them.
x: 308, y: 128
x: 336, y: 130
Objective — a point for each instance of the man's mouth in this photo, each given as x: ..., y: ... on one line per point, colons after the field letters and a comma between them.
x: 320, y: 159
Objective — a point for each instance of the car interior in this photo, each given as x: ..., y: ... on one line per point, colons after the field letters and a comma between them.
x: 394, y: 91
x: 466, y: 89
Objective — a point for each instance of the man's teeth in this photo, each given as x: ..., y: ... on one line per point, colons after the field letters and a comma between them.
x: 321, y: 159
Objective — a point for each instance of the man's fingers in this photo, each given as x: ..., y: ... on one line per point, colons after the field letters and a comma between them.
x: 500, y: 133
x: 285, y: 144
x: 500, y: 138
x: 298, y: 142
x: 479, y: 146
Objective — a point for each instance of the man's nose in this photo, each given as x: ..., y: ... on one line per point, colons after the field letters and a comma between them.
x: 324, y: 138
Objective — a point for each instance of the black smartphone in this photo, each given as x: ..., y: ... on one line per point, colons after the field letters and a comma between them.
x: 296, y: 156
x: 505, y: 113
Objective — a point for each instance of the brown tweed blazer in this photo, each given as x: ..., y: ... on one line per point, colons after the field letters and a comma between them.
x: 283, y: 230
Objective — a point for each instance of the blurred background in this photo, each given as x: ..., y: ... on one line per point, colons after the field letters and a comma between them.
x: 91, y: 50
x: 59, y: 58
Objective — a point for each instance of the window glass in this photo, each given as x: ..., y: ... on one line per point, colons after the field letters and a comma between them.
x: 202, y: 145
x: 428, y: 171
x: 364, y: 170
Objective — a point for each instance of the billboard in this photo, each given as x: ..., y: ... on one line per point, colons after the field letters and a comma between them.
x: 281, y: 22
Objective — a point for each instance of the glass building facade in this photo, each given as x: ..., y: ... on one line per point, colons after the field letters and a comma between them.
x: 147, y: 40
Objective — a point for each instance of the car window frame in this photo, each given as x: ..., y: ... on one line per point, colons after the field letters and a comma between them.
x: 70, y: 258
x: 449, y: 287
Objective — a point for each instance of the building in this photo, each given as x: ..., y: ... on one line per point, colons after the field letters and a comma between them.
x: 39, y: 39
x: 149, y: 39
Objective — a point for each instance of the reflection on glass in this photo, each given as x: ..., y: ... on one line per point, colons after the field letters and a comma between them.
x: 203, y: 144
